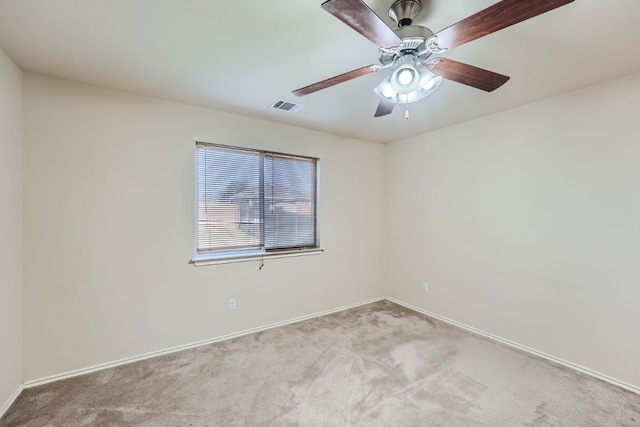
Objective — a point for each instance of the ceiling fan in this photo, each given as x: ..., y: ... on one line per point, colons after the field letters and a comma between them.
x: 408, y: 49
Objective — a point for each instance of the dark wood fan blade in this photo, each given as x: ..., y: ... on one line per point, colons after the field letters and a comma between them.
x: 361, y: 18
x: 384, y: 108
x: 494, y: 18
x: 336, y: 80
x: 467, y: 74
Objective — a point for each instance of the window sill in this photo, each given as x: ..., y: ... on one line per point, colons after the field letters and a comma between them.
x: 203, y: 260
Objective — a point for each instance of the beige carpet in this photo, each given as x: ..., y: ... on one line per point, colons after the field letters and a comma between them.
x: 376, y: 365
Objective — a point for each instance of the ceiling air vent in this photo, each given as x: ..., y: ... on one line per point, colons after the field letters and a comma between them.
x: 288, y: 106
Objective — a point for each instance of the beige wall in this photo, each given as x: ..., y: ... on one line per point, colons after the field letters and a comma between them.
x: 10, y: 228
x: 109, y: 228
x: 526, y: 224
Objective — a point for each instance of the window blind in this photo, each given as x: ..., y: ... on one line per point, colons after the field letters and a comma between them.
x: 254, y: 200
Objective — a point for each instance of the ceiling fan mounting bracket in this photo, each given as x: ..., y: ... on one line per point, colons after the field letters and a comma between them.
x: 404, y: 11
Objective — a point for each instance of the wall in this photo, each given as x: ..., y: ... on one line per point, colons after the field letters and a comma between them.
x: 10, y: 229
x: 526, y: 224
x: 109, y: 228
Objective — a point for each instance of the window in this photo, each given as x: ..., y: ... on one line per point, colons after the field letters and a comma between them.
x: 254, y: 203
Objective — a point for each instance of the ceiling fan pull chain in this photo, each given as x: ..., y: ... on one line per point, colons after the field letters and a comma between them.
x: 406, y: 107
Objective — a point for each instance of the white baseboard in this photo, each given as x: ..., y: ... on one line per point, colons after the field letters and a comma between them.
x: 113, y: 364
x: 95, y: 368
x: 524, y: 348
x: 7, y: 404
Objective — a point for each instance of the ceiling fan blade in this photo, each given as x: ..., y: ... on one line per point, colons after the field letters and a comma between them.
x: 341, y: 78
x: 361, y: 18
x: 467, y: 74
x: 494, y: 18
x: 384, y: 108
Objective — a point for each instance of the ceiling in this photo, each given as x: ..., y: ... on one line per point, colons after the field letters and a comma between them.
x: 241, y: 56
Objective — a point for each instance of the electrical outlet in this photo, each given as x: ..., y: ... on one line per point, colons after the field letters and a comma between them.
x: 425, y: 287
x: 232, y: 304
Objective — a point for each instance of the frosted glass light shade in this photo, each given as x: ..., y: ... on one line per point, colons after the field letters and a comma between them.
x: 424, y: 83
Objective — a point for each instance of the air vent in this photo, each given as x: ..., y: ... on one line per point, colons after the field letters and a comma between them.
x: 288, y: 106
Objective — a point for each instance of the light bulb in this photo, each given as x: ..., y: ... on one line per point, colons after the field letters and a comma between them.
x: 429, y: 84
x: 405, y: 77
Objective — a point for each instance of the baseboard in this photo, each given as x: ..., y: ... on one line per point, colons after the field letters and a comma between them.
x: 113, y: 364
x: 7, y: 404
x: 524, y: 348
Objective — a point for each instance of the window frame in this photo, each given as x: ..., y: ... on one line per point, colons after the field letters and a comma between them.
x: 240, y: 255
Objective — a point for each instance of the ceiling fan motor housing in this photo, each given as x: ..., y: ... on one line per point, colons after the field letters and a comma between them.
x: 413, y: 41
x: 404, y: 11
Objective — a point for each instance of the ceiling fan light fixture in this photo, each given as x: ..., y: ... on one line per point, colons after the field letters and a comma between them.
x: 423, y: 83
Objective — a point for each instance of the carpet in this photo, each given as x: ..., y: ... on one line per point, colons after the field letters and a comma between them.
x: 376, y: 365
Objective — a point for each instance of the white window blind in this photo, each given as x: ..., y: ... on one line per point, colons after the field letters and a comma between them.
x: 251, y: 200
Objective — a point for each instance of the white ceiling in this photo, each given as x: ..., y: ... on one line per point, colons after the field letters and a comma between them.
x: 241, y: 56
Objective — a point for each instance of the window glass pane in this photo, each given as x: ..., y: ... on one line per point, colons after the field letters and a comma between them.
x: 289, y: 202
x: 229, y: 210
x: 254, y: 200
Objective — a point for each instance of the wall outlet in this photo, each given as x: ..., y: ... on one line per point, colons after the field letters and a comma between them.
x: 425, y: 287
x: 232, y: 304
